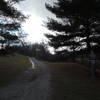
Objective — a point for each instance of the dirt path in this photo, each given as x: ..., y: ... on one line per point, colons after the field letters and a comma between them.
x: 29, y: 86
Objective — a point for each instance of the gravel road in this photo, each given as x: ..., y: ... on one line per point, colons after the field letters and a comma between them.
x: 33, y: 84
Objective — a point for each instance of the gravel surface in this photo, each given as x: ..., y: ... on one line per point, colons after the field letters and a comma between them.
x: 33, y: 84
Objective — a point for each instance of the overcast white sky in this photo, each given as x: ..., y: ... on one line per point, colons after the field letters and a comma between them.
x: 36, y: 7
x: 38, y: 12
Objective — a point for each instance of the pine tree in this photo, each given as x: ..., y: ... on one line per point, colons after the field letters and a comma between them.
x: 10, y: 22
x: 77, y: 25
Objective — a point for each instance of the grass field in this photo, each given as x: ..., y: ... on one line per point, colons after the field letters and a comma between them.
x: 11, y: 66
x: 72, y: 81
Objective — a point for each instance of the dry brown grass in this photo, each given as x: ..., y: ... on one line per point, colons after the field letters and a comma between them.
x: 71, y: 81
x: 72, y: 70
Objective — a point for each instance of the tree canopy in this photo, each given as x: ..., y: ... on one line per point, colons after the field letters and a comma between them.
x: 10, y: 22
x: 76, y: 27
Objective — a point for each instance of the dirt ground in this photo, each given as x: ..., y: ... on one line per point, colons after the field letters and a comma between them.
x: 53, y: 81
x: 72, y: 70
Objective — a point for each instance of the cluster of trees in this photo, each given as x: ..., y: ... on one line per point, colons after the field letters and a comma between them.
x: 10, y: 24
x: 76, y: 27
x: 37, y: 50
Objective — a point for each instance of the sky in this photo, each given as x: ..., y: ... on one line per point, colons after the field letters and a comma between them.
x: 36, y: 7
x: 38, y: 14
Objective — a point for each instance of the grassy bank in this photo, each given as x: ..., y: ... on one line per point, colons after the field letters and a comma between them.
x: 12, y: 66
x: 73, y: 82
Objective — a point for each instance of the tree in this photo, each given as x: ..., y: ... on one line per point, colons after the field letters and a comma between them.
x: 77, y: 26
x: 40, y: 51
x: 10, y: 22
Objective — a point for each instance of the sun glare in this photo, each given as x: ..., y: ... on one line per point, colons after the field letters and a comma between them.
x: 33, y: 26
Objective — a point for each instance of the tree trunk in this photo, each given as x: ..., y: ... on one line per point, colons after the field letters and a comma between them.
x: 93, y: 70
x: 93, y: 64
x: 89, y: 48
x: 73, y: 55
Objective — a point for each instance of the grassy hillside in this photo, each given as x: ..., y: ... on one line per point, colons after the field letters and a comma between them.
x: 11, y: 66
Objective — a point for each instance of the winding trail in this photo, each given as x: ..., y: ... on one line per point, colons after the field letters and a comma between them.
x: 30, y: 86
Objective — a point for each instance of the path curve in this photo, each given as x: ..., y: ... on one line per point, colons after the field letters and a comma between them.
x: 28, y: 88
